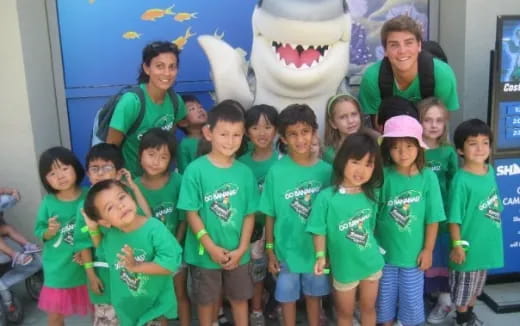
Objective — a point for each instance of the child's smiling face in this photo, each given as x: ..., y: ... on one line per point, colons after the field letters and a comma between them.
x: 116, y: 207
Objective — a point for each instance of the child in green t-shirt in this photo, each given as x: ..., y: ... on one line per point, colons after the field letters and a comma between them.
x: 474, y: 219
x: 261, y: 122
x: 191, y: 125
x: 104, y: 162
x: 219, y: 195
x: 407, y: 222
x: 141, y: 252
x: 161, y: 188
x: 342, y: 221
x: 64, y: 290
x: 442, y: 159
x: 290, y: 187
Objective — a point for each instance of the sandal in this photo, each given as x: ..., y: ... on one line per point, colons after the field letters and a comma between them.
x: 21, y: 259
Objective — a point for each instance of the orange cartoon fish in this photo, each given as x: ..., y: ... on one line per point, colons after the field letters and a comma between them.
x: 182, y: 40
x: 155, y: 13
x: 182, y: 16
x: 131, y: 35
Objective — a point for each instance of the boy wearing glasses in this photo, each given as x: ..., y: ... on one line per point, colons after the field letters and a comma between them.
x: 104, y: 161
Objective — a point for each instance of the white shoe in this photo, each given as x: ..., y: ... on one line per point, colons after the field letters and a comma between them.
x: 398, y: 323
x: 439, y: 314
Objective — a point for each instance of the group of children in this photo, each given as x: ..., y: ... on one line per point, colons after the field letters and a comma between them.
x: 367, y: 226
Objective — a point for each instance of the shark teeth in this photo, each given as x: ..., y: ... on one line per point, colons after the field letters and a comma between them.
x: 322, y: 49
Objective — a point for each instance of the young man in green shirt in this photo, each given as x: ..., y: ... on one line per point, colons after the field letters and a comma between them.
x: 474, y: 219
x: 290, y: 187
x: 219, y: 195
x: 401, y: 39
x: 191, y: 125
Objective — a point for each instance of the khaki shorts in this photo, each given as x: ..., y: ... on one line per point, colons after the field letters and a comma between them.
x: 209, y: 284
x: 341, y: 287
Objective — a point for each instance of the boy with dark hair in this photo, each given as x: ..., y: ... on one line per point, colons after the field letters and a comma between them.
x: 104, y: 162
x: 289, y: 189
x: 402, y: 41
x: 191, y: 125
x: 474, y: 219
x: 219, y: 195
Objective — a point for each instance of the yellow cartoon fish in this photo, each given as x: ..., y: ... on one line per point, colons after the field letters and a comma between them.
x: 182, y: 40
x: 218, y: 35
x: 131, y: 35
x: 153, y: 14
x: 182, y: 16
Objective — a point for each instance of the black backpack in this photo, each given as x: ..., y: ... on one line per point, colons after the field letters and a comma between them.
x: 104, y: 115
x: 430, y: 50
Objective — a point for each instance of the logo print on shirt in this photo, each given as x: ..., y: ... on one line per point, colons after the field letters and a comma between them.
x: 491, y: 207
x: 133, y: 281
x: 66, y: 235
x: 163, y: 210
x: 221, y: 201
x: 355, y: 227
x: 433, y: 165
x: 301, y: 197
x: 401, y: 207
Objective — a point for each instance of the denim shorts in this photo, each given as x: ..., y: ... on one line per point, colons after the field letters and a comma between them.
x: 289, y: 285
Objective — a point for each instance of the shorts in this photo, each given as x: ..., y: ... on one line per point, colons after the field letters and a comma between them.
x: 464, y: 286
x: 289, y: 285
x: 105, y: 315
x: 258, y: 269
x: 209, y: 284
x: 403, y: 288
x: 341, y: 287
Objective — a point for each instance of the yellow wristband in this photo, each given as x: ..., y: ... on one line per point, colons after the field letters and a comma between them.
x: 201, y: 233
x: 269, y: 245
x: 88, y: 265
x: 320, y: 254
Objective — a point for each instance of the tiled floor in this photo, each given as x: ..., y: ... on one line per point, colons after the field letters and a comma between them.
x: 35, y: 317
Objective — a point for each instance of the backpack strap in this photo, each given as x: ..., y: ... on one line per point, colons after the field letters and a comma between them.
x: 175, y: 102
x: 426, y: 74
x: 140, y: 93
x: 386, y: 79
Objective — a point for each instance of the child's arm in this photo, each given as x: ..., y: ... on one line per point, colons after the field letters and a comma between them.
x: 181, y: 231
x: 457, y: 254
x: 425, y: 257
x: 93, y: 229
x: 217, y: 254
x: 126, y: 259
x: 234, y: 256
x: 52, y: 228
x: 274, y: 265
x: 93, y: 281
x: 319, y: 248
x: 139, y: 198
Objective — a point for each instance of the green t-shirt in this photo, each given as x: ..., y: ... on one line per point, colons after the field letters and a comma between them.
x: 82, y: 240
x: 408, y: 204
x: 475, y: 204
x: 187, y: 152
x: 347, y: 221
x: 444, y: 161
x: 163, y: 201
x: 329, y: 155
x: 445, y: 88
x: 289, y: 191
x: 260, y: 169
x: 139, y: 298
x: 222, y: 197
x: 59, y: 271
x: 156, y: 115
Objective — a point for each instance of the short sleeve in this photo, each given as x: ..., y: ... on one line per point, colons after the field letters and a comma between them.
x: 168, y: 252
x: 446, y: 85
x: 41, y: 220
x: 190, y: 197
x: 181, y: 112
x: 453, y: 163
x: 369, y: 94
x: 317, y: 223
x: 434, y: 207
x: 125, y: 112
x: 252, y: 193
x: 266, y: 203
x: 182, y: 156
x: 457, y: 202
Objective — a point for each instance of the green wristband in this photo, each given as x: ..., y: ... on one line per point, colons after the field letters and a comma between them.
x: 93, y: 233
x: 88, y: 265
x: 269, y: 245
x: 326, y: 271
x: 201, y: 233
x: 320, y: 254
x: 461, y: 243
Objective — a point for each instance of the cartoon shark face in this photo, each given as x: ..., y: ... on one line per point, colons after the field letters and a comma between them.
x: 300, y: 46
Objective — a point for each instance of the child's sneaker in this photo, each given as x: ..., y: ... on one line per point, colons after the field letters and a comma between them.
x: 439, y: 313
x: 257, y: 319
x: 31, y: 248
x: 21, y: 259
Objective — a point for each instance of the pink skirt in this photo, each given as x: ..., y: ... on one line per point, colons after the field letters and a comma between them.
x: 66, y: 302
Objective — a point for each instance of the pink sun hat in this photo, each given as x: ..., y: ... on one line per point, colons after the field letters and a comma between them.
x: 404, y: 126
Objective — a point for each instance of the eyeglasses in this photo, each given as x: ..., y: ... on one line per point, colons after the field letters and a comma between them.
x: 164, y: 45
x: 101, y: 169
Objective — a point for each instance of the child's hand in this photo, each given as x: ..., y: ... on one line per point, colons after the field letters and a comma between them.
x: 219, y: 255
x: 319, y: 266
x: 126, y: 178
x: 94, y: 282
x: 77, y: 258
x: 234, y: 257
x: 425, y: 259
x: 53, y: 227
x: 458, y: 255
x: 126, y: 258
x: 274, y: 265
x: 91, y: 224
